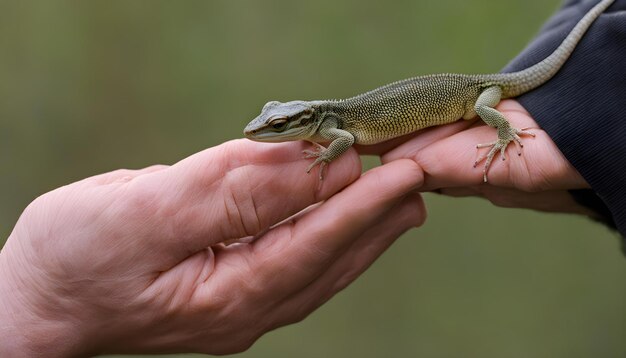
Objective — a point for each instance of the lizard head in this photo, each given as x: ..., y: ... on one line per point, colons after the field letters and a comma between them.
x: 281, y: 122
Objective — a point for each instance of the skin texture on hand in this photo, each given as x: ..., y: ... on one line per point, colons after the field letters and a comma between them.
x: 132, y: 261
x: 538, y: 179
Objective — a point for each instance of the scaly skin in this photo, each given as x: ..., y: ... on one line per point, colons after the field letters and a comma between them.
x: 407, y: 106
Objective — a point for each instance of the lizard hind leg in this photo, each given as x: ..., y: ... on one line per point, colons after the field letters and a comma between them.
x: 484, y: 107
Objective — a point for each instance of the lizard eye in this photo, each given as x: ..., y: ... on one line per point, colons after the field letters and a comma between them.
x: 279, y: 124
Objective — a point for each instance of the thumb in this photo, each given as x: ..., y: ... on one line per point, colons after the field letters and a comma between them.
x: 234, y: 190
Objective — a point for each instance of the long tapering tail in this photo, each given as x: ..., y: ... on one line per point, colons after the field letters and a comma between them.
x: 515, y: 83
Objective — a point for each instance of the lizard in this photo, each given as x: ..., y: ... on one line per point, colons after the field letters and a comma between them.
x: 406, y: 106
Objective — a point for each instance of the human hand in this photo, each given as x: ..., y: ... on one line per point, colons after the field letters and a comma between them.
x: 538, y: 179
x: 131, y: 261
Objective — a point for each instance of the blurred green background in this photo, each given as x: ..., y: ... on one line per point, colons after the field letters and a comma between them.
x: 91, y: 86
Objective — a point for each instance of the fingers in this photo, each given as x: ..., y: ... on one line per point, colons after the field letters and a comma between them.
x: 321, y: 236
x: 447, y: 161
x: 410, y: 212
x: 234, y: 190
x: 291, y: 270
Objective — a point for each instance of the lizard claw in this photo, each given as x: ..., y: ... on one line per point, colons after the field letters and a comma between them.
x: 317, y: 153
x: 500, y: 145
x: 310, y: 154
x: 322, y: 163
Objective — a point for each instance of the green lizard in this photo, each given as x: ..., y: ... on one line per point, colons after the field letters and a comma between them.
x: 409, y: 105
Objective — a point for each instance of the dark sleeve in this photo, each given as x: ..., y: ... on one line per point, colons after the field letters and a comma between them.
x: 583, y: 108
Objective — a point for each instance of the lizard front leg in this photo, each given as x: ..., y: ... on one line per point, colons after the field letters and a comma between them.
x: 340, y: 140
x: 484, y: 107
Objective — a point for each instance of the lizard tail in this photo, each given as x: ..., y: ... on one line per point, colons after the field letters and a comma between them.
x: 516, y: 83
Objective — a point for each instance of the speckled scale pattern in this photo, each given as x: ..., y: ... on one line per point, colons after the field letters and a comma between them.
x: 406, y: 106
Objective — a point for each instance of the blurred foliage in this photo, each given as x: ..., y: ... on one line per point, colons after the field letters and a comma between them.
x: 91, y: 86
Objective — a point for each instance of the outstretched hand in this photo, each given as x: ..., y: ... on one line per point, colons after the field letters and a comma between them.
x: 537, y: 179
x: 133, y: 260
